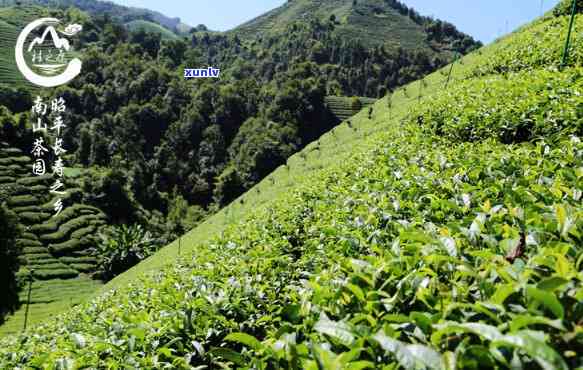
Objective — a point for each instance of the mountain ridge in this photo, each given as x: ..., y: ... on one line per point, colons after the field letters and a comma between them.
x: 373, y: 22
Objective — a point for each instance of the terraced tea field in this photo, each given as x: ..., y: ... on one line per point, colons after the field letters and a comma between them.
x: 344, y: 108
x: 9, y: 74
x: 53, y: 248
x: 11, y: 21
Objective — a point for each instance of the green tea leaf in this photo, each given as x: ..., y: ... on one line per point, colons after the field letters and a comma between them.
x: 530, y: 343
x: 410, y: 356
x: 245, y: 339
x: 338, y: 330
x: 547, y: 299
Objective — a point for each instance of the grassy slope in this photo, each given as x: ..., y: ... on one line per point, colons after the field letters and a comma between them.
x: 49, y: 298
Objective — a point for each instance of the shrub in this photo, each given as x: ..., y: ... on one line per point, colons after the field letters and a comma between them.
x: 83, y: 267
x: 355, y: 103
x: 33, y: 217
x: 79, y: 260
x: 22, y: 200
x: 38, y: 256
x: 55, y: 274
x: 66, y: 247
x: 565, y: 7
x: 32, y: 250
x: 513, y: 109
x: 123, y: 247
x: 535, y: 47
x: 47, y: 265
x: 67, y: 228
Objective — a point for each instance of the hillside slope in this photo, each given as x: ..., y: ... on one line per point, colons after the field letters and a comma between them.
x: 446, y: 233
x: 11, y: 22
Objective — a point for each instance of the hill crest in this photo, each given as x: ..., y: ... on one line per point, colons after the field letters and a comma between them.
x: 373, y: 22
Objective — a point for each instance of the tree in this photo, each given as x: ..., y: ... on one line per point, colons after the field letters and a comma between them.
x: 9, y: 264
x: 149, y: 41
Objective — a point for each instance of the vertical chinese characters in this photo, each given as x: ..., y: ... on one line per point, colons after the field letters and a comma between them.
x: 39, y: 150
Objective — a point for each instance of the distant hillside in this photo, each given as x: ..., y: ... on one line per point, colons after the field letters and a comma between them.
x: 373, y: 22
x: 11, y: 21
x: 123, y: 13
x: 151, y: 27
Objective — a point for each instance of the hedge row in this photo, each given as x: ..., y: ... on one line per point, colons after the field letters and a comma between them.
x: 83, y: 267
x: 79, y: 259
x: 67, y: 247
x: 35, y: 180
x: 38, y: 256
x: 22, y: 200
x: 33, y: 218
x: 34, y: 250
x: 48, y: 265
x: 66, y: 229
x: 53, y: 225
x: 55, y: 274
x: 25, y: 242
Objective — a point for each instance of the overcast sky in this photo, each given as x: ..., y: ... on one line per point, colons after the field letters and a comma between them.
x: 483, y: 19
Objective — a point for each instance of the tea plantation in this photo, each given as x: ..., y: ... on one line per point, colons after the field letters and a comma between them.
x: 343, y: 108
x: 443, y: 229
x: 57, y: 247
x: 9, y: 74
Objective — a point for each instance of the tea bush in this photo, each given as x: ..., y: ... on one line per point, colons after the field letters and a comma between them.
x: 565, y: 7
x: 404, y: 259
x: 513, y: 108
x: 538, y: 46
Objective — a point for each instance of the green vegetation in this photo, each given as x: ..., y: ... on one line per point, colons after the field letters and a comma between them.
x: 11, y: 81
x: 343, y: 108
x: 151, y: 27
x: 565, y: 7
x: 374, y: 23
x: 515, y: 108
x: 42, y: 242
x: 9, y: 74
x: 123, y: 247
x: 399, y: 246
x: 545, y: 48
x: 218, y: 138
x: 9, y: 264
x: 47, y: 298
